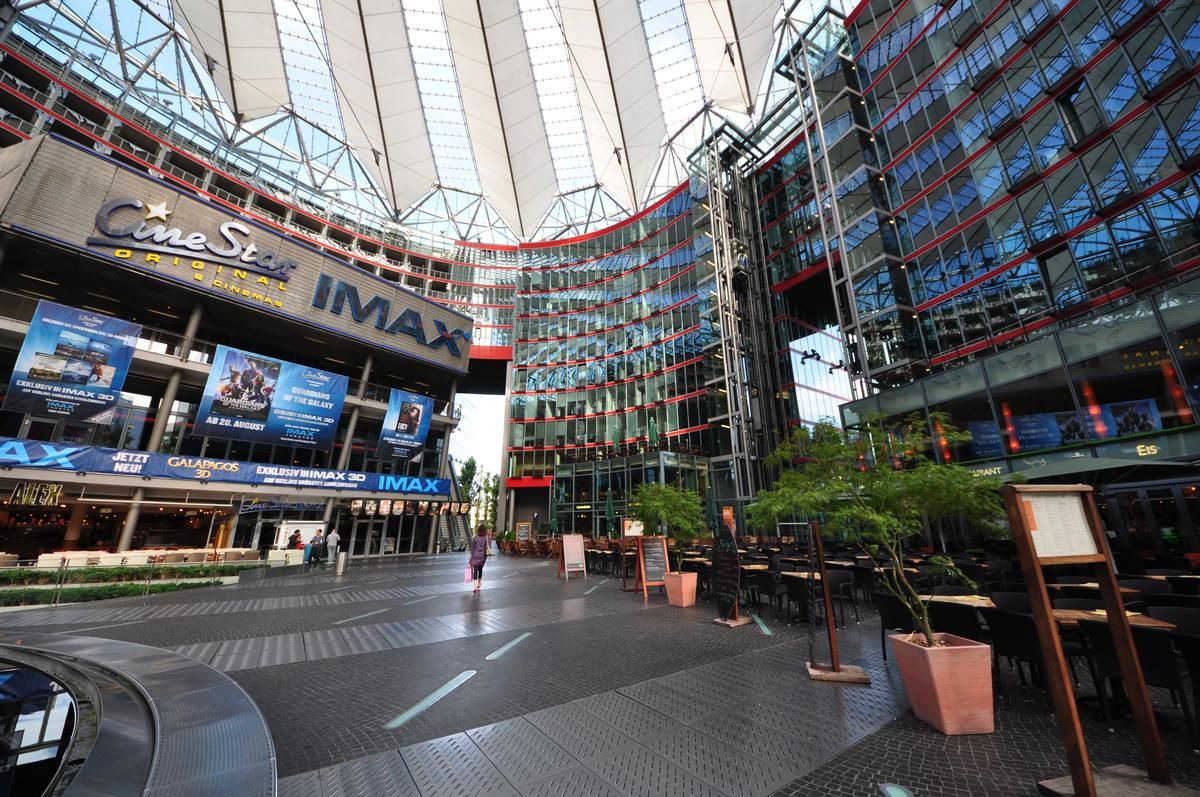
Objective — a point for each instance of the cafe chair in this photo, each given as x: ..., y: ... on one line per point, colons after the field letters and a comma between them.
x: 956, y: 618
x: 797, y: 593
x: 1188, y: 645
x: 1156, y: 653
x: 1166, y: 571
x: 1086, y: 604
x: 1145, y: 585
x: 1171, y: 599
x: 1012, y: 601
x: 1075, y: 580
x: 1015, y: 638
x: 841, y: 589
x: 893, y: 616
x: 1184, y: 585
x: 1186, y: 620
x: 765, y: 586
x: 953, y: 590
x: 865, y: 580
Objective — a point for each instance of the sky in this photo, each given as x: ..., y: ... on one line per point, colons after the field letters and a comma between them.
x: 480, y: 433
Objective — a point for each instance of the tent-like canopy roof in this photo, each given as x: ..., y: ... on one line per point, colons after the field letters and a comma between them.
x: 518, y: 100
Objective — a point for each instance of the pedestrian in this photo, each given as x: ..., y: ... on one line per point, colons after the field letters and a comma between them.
x: 479, y: 545
x: 296, y: 541
x: 314, y: 549
x: 331, y: 544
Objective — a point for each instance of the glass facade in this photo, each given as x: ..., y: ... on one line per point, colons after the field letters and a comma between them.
x: 609, y: 344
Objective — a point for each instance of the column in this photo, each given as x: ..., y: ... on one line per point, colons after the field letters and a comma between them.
x: 74, y: 526
x: 343, y: 460
x: 443, y: 467
x: 170, y: 391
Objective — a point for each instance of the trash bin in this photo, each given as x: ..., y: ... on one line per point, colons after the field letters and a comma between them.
x: 339, y: 566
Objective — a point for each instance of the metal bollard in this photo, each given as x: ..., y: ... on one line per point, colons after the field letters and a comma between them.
x: 339, y: 567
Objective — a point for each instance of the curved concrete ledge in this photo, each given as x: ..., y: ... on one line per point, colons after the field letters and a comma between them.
x: 205, y: 733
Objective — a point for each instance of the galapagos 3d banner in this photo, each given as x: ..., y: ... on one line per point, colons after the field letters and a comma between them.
x: 72, y: 364
x: 265, y: 400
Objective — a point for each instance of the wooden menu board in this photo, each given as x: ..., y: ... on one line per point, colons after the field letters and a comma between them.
x: 726, y: 574
x: 1058, y: 524
x: 571, y: 556
x: 523, y: 531
x: 652, y: 563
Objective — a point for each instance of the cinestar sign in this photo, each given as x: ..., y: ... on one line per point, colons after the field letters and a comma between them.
x: 334, y: 295
x: 230, y: 250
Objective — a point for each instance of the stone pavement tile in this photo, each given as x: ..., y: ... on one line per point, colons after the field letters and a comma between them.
x: 453, y: 766
x: 520, y: 751
x: 635, y: 771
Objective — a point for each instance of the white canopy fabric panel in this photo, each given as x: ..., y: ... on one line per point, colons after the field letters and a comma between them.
x: 500, y: 101
x: 376, y: 85
x: 239, y: 43
x: 754, y: 38
x: 731, y: 59
x: 630, y: 78
x: 597, y: 102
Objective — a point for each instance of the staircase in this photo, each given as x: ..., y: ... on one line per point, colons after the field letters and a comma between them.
x: 454, y: 531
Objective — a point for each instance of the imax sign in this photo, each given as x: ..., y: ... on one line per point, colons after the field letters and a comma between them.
x: 335, y: 296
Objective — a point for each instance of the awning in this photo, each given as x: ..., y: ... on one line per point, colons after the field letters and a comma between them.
x: 1083, y: 465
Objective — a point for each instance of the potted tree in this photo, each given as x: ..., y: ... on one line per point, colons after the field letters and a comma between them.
x: 680, y: 512
x: 879, y: 487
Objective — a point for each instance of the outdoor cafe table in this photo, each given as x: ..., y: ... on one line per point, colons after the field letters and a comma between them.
x: 1091, y: 585
x: 1066, y: 618
x: 755, y: 567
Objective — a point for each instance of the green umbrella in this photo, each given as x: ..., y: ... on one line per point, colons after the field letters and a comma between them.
x: 555, y: 498
x: 712, y: 508
x: 610, y: 514
x: 653, y: 433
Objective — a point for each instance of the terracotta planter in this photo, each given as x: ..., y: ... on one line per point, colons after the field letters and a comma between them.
x: 681, y: 589
x: 949, y: 687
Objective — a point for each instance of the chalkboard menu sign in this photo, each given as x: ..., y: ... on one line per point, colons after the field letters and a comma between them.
x: 726, y: 573
x: 652, y: 562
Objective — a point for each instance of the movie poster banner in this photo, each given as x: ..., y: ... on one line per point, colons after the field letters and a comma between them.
x: 72, y: 364
x: 405, y: 425
x: 264, y: 400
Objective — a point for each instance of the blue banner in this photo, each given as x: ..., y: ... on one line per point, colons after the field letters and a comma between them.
x: 72, y: 364
x: 405, y: 425
x: 16, y: 453
x: 263, y: 400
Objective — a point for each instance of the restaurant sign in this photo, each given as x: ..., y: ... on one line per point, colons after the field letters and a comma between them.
x: 36, y: 494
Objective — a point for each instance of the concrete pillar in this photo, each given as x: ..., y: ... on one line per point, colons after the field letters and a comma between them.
x: 131, y: 519
x: 351, y: 426
x: 74, y: 526
x: 160, y: 422
x: 443, y: 470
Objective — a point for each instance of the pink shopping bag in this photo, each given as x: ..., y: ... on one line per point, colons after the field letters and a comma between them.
x: 469, y: 576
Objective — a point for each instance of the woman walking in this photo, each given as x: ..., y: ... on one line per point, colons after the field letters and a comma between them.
x: 479, y: 545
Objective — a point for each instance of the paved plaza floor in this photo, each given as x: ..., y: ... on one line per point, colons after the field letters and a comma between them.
x: 395, y: 679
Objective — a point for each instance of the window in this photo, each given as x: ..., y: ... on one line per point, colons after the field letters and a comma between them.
x: 1032, y: 400
x: 1080, y: 112
x: 1062, y: 278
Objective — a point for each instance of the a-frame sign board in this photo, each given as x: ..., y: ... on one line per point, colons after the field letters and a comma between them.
x: 1058, y: 524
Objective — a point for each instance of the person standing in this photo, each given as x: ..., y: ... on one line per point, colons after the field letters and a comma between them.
x: 479, y: 545
x: 312, y: 557
x: 331, y: 544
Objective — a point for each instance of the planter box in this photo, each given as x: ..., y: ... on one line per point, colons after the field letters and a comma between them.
x: 949, y: 687
x: 681, y: 589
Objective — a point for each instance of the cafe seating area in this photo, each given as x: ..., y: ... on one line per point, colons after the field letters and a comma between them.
x: 152, y: 556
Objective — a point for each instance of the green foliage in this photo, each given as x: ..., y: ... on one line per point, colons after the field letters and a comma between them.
x: 491, y: 497
x: 468, y: 487
x: 679, y: 510
x: 86, y: 575
x: 878, y: 486
x: 32, y: 597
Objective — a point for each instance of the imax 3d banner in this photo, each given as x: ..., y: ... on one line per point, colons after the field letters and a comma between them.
x: 406, y: 424
x: 72, y: 364
x: 263, y: 400
x: 15, y: 453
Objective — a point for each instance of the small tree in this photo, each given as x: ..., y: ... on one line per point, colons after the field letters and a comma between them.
x: 679, y: 510
x: 491, y: 497
x: 879, y: 486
